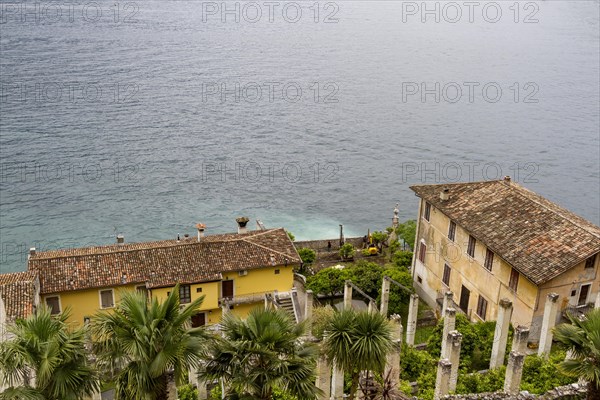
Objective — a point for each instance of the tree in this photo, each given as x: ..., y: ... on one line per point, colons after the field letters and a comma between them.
x: 260, y: 355
x: 407, y: 231
x: 379, y: 238
x: 308, y: 256
x: 347, y: 251
x: 398, y: 296
x: 46, y: 349
x: 140, y: 342
x: 581, y: 337
x: 367, y: 276
x: 402, y: 259
x: 328, y: 281
x: 358, y: 341
x: 291, y: 236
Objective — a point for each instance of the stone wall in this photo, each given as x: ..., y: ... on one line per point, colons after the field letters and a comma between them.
x: 568, y: 392
x: 321, y: 245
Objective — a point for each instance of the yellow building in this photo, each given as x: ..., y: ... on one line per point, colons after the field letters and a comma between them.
x: 486, y: 241
x: 236, y: 271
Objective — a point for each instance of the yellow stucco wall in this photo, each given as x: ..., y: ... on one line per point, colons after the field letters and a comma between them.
x: 468, y: 271
x: 85, y: 303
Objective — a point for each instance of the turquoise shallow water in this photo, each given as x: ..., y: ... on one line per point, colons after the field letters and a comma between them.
x: 146, y: 121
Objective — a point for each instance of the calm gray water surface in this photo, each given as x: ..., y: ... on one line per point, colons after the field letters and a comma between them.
x: 150, y: 120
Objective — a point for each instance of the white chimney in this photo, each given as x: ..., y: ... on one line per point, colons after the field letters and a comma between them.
x: 32, y: 251
x: 242, y: 221
x: 445, y: 194
x: 201, y: 227
x: 507, y: 178
x: 120, y: 239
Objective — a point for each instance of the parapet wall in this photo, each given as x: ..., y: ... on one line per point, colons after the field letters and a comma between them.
x: 568, y: 392
x: 321, y: 246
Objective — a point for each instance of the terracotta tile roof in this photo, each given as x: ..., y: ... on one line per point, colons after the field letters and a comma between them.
x: 162, y: 263
x: 537, y: 237
x: 18, y: 293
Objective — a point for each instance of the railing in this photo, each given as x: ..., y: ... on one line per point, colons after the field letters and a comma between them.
x: 244, y: 299
x: 578, y: 311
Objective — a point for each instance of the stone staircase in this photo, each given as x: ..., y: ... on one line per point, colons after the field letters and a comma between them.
x: 285, y: 303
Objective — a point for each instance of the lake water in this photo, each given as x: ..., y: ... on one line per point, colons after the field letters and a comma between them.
x: 146, y: 117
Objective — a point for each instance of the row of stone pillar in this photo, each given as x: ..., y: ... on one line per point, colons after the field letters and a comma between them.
x: 447, y: 372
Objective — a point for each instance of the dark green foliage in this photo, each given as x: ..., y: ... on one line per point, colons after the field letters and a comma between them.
x: 379, y: 237
x: 187, y: 392
x: 308, y: 256
x: 407, y: 232
x: 540, y: 375
x: 328, y: 281
x: 347, y: 251
x: 477, y: 342
x: 402, y: 259
x: 291, y: 236
x: 398, y: 296
x: 414, y: 363
x: 367, y: 276
x: 475, y: 382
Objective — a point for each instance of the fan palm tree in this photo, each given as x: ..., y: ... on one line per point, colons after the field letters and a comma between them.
x: 46, y: 359
x: 358, y: 341
x: 147, y: 346
x: 582, y: 338
x: 260, y: 354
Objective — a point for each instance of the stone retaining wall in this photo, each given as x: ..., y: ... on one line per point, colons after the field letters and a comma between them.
x: 568, y: 392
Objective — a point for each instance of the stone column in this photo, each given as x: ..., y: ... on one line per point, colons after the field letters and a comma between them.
x: 308, y: 311
x: 597, y: 303
x: 514, y: 371
x: 393, y: 358
x: 448, y: 302
x: 385, y: 296
x: 337, y: 383
x: 324, y: 377
x: 443, y: 379
x: 97, y: 395
x: 347, y: 296
x: 501, y: 333
x: 550, y: 310
x: 454, y: 341
x: 449, y: 325
x: 520, y: 337
x: 411, y: 324
x: 372, y: 306
x: 202, y: 391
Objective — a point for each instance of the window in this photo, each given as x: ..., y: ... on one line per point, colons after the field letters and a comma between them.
x: 481, y: 307
x: 422, y: 251
x: 277, y: 272
x: 583, y: 294
x: 185, y: 294
x: 54, y: 304
x: 419, y: 279
x: 489, y: 259
x: 589, y: 263
x: 471, y: 246
x: 452, y: 230
x: 427, y: 211
x: 446, y: 277
x: 514, y: 279
x: 199, y: 290
x: 107, y: 299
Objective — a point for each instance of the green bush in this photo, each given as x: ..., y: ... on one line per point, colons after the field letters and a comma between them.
x: 414, y: 363
x: 540, y: 375
x: 187, y: 392
x: 402, y: 259
x: 398, y: 296
x: 367, y: 276
x: 328, y: 281
x: 347, y: 251
x: 308, y: 256
x: 320, y: 318
x: 491, y: 381
x: 291, y: 236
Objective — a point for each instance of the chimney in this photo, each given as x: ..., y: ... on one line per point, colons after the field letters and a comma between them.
x: 201, y: 227
x: 32, y: 251
x: 120, y: 239
x: 507, y: 178
x: 445, y: 194
x: 242, y: 221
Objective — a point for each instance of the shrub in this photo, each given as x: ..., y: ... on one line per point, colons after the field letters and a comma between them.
x: 308, y: 256
x: 347, y: 251
x: 187, y: 392
x: 321, y: 316
x: 291, y: 236
x: 540, y: 375
x: 402, y: 259
x: 398, y: 296
x: 328, y: 281
x: 367, y: 276
x: 415, y: 362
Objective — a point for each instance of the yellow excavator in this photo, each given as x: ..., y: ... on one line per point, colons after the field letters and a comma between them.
x: 372, y: 248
